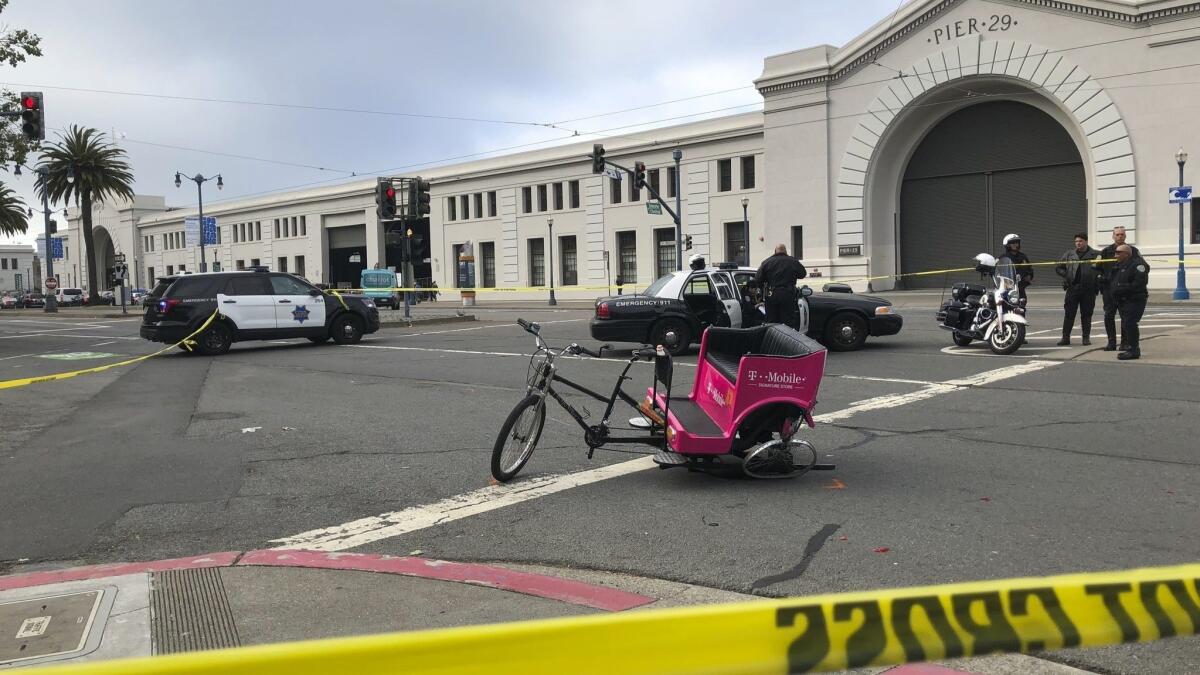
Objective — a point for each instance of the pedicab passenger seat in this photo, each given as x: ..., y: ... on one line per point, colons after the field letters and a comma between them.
x: 723, y: 348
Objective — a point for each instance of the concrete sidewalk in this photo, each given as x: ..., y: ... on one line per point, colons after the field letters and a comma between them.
x: 232, y: 599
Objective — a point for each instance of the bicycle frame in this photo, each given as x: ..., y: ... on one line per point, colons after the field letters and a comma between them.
x: 597, y: 435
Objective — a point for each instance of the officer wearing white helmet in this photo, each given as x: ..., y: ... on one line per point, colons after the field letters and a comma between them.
x: 696, y: 262
x: 1020, y: 261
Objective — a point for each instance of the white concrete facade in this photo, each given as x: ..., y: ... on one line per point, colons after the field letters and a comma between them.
x: 828, y: 154
x: 16, y: 268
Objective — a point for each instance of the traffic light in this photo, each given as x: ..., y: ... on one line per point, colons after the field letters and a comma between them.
x: 53, y: 226
x: 418, y: 197
x: 639, y: 175
x: 33, y: 116
x: 598, y: 158
x: 687, y: 242
x: 385, y: 199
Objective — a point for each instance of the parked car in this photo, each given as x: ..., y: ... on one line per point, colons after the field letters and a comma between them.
x: 33, y: 300
x: 71, y: 297
x: 8, y: 301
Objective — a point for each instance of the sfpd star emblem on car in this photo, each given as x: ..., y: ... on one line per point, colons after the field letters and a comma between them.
x: 300, y: 313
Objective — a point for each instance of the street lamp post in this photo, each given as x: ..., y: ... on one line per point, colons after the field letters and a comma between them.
x: 200, y: 181
x: 746, y: 229
x: 51, y: 304
x: 1181, y: 291
x: 550, y: 226
x: 677, y: 155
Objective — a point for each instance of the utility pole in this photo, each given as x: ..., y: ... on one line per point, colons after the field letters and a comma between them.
x: 677, y: 155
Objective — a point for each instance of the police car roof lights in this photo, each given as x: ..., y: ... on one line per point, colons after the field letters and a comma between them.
x: 728, y: 266
x: 260, y: 268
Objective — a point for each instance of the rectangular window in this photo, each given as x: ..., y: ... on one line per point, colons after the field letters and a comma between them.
x: 478, y: 205
x: 627, y: 257
x: 635, y: 193
x: 170, y: 270
x: 558, y: 197
x: 724, y: 175
x: 165, y: 246
x: 526, y: 199
x: 258, y: 230
x: 671, y: 174
x: 465, y: 204
x: 748, y: 172
x: 735, y: 244
x: 614, y: 187
x: 541, y: 198
x: 182, y: 269
x: 3, y: 263
x: 487, y: 251
x: 276, y: 228
x: 574, y: 194
x: 282, y: 264
x: 798, y: 242
x: 569, y: 269
x: 537, y: 262
x: 456, y: 253
x: 300, y: 266
x: 303, y: 226
x: 653, y: 179
x: 254, y: 262
x: 218, y: 229
x: 451, y: 208
x: 492, y: 204
x: 295, y: 226
x: 239, y: 265
x: 241, y: 232
x: 664, y: 251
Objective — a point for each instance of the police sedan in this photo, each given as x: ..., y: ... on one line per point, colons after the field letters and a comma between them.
x: 686, y: 302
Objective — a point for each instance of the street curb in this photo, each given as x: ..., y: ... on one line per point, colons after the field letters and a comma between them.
x: 563, y: 590
x: 432, y: 321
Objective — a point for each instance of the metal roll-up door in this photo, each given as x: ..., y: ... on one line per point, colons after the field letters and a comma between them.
x: 945, y: 223
x: 1046, y: 206
x: 984, y: 171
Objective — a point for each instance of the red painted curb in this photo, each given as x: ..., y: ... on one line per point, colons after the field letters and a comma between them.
x: 552, y: 588
x: 115, y: 570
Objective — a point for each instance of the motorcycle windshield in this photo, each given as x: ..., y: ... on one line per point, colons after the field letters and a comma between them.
x: 1006, y: 274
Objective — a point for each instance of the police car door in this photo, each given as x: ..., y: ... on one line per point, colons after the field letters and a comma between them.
x: 296, y: 308
x: 248, y: 301
x: 728, y: 297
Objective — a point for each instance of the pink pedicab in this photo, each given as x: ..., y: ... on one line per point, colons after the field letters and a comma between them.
x: 754, y: 389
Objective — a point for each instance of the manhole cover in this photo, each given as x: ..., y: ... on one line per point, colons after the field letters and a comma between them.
x: 55, y: 625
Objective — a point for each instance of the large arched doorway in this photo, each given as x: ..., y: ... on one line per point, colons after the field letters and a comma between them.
x: 984, y: 171
x: 104, y: 258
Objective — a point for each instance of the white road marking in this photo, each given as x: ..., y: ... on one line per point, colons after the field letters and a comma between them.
x: 68, y: 335
x: 101, y: 344
x: 462, y: 330
x: 83, y: 324
x: 384, y: 526
x: 895, y: 380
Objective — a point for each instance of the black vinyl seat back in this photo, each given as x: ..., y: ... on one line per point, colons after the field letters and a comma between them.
x: 725, y: 347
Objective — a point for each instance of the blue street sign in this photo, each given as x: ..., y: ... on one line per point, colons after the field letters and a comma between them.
x: 56, y: 248
x: 210, y: 231
x: 1181, y: 195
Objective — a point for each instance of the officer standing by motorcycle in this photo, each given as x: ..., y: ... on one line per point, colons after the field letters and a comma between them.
x: 1129, y: 290
x: 1107, y: 270
x: 1080, y: 283
x: 1012, y: 251
x: 778, y: 276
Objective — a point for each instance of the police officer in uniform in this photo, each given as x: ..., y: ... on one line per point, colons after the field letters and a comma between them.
x: 1107, y: 270
x: 1128, y: 287
x: 1012, y: 251
x: 1079, y: 281
x: 778, y: 275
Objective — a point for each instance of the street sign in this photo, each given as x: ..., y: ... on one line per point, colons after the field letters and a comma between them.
x: 1181, y: 195
x: 51, y: 283
x: 210, y: 231
x: 654, y: 208
x: 56, y: 248
x: 612, y: 173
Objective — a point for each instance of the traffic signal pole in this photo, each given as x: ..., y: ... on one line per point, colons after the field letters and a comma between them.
x: 51, y: 304
x: 598, y: 161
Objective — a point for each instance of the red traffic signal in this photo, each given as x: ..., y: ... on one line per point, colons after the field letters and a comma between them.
x: 639, y: 174
x: 385, y: 199
x: 33, y: 116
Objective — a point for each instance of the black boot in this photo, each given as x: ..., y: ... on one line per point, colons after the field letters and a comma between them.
x: 1064, y: 342
x: 1133, y: 353
x: 1110, y: 347
x: 1123, y: 348
x: 1087, y: 339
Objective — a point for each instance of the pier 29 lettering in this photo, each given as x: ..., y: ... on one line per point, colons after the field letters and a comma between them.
x: 996, y: 23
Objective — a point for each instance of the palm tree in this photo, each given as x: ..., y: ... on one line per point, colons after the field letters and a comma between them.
x: 82, y: 167
x: 12, y: 212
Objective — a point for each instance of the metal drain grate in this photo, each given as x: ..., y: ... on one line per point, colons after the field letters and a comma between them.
x: 190, y: 612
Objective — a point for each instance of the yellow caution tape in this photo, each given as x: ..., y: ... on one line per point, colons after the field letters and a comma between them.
x: 186, y: 343
x: 815, y: 634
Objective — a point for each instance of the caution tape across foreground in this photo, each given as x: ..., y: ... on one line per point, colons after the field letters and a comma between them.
x: 187, y: 343
x: 814, y: 634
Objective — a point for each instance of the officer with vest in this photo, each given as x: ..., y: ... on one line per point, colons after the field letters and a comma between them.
x: 777, y: 276
x: 1128, y: 287
x: 1107, y: 270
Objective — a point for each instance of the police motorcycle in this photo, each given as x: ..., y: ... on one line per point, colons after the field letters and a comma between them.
x: 995, y: 316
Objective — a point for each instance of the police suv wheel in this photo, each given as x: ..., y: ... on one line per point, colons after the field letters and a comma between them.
x: 215, y: 341
x: 672, y: 334
x: 346, y: 329
x: 845, y: 333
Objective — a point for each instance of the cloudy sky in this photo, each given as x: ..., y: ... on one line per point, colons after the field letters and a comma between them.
x: 512, y: 67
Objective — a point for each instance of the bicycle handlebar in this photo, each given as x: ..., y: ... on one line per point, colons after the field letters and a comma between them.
x: 580, y: 349
x: 533, y: 328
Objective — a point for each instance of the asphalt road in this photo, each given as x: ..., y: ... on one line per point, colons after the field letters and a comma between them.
x: 1047, y: 462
